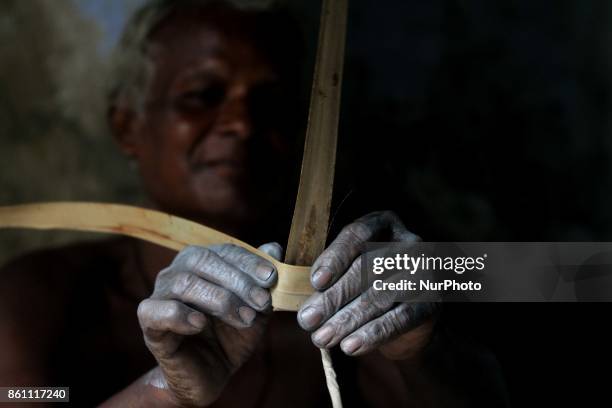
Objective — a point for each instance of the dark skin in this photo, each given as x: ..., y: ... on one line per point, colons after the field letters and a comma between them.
x: 205, y: 314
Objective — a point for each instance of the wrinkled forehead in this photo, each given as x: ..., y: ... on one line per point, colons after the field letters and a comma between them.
x: 187, y: 37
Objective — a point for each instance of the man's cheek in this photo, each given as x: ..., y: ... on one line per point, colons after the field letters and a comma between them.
x: 183, y: 131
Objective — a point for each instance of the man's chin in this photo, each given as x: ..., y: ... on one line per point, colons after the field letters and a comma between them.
x: 224, y: 206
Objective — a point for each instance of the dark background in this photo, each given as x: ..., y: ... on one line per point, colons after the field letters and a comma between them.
x: 474, y: 120
x: 490, y: 120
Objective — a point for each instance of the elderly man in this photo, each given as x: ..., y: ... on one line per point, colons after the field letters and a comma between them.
x: 204, y: 103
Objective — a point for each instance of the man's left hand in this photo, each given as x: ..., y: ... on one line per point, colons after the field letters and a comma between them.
x: 340, y: 312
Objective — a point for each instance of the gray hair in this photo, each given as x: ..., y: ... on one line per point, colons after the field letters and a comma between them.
x: 131, y: 66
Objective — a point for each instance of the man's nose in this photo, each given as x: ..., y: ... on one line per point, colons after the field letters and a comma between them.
x: 235, y: 118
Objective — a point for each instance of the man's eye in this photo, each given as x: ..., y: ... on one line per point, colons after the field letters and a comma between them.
x: 208, y: 97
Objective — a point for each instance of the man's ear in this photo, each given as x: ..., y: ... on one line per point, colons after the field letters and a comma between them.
x: 125, y: 126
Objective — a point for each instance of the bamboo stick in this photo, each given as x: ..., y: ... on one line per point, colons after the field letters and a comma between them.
x: 311, y: 215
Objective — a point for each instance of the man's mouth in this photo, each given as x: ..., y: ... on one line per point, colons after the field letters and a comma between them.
x: 227, y: 168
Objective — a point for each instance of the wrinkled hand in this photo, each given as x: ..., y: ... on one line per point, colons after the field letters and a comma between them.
x: 339, y: 313
x: 205, y: 317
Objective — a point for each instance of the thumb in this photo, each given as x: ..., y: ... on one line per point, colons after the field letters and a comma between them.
x: 274, y: 249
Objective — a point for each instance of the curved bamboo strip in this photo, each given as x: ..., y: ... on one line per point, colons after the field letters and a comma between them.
x: 172, y: 232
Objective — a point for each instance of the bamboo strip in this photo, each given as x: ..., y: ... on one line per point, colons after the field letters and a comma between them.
x: 172, y: 232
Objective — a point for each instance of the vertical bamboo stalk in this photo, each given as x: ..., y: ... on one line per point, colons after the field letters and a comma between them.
x: 311, y: 215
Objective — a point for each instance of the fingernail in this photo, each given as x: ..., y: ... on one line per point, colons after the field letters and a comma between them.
x: 260, y: 296
x: 196, y: 319
x: 321, y: 277
x: 351, y: 345
x: 264, y: 271
x: 246, y: 314
x: 323, y: 336
x: 310, y: 316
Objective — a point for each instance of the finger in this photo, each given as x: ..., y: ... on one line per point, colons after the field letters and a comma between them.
x: 261, y: 270
x: 397, y: 321
x: 322, y: 307
x: 274, y: 249
x: 164, y: 322
x: 208, y: 264
x: 169, y: 316
x: 319, y: 307
x: 337, y: 258
x: 206, y: 297
x: 371, y: 305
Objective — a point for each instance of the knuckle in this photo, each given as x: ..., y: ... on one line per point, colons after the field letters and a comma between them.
x: 337, y: 256
x: 357, y: 231
x: 182, y: 284
x: 330, y: 258
x: 331, y: 300
x: 370, y: 297
x: 240, y: 255
x: 251, y: 262
x: 164, y: 273
x: 339, y: 294
x: 378, y: 300
x: 315, y: 301
x: 186, y: 253
x: 193, y: 256
x: 347, y: 318
x: 243, y: 285
x: 172, y: 310
x: 143, y: 310
x: 343, y: 251
x: 227, y: 249
x: 224, y: 302
x: 163, y: 277
x: 377, y: 330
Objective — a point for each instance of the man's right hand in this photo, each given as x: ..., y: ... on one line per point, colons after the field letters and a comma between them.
x: 205, y: 317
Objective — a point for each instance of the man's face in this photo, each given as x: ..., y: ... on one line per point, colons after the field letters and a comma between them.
x: 208, y: 143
